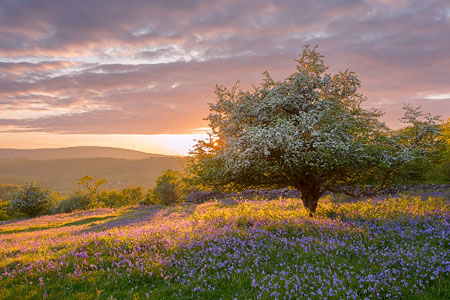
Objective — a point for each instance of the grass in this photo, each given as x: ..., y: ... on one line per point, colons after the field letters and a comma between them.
x: 395, y: 248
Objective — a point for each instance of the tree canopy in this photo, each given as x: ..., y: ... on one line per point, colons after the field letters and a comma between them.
x: 309, y: 131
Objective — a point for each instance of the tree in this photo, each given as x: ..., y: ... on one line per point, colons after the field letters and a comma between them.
x: 168, y: 188
x: 423, y: 135
x: 309, y: 132
x: 445, y: 128
x: 83, y: 199
x: 441, y: 167
x: 32, y: 200
x: 92, y: 186
x: 131, y: 196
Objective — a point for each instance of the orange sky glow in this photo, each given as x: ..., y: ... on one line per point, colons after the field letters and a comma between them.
x: 169, y: 144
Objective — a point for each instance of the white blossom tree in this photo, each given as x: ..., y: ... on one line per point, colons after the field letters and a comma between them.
x: 309, y: 132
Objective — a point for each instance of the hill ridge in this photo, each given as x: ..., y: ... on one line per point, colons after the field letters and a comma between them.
x: 75, y: 152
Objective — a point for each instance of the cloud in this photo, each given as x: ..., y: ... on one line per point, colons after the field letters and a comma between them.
x: 437, y: 96
x: 149, y: 67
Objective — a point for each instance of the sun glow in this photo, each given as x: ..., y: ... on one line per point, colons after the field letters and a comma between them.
x: 169, y: 144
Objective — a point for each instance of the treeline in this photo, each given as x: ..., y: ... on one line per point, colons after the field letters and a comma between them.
x: 31, y: 199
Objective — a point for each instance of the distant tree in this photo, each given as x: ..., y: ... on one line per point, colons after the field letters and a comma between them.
x: 90, y: 184
x: 32, y: 200
x: 78, y: 200
x: 92, y: 187
x: 86, y: 198
x: 131, y: 196
x: 127, y: 196
x: 111, y: 198
x: 309, y: 131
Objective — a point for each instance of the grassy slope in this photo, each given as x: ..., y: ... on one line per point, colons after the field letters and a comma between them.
x: 62, y: 174
x: 268, y: 249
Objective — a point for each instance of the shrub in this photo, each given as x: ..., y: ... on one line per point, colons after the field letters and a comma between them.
x: 111, y: 198
x: 83, y: 199
x: 127, y: 196
x: 131, y: 196
x: 33, y: 200
x: 79, y: 200
x: 169, y: 189
x: 3, y: 210
x: 150, y: 198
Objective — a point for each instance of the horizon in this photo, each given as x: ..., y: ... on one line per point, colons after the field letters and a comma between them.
x: 165, y: 144
x: 140, y: 75
x: 86, y: 146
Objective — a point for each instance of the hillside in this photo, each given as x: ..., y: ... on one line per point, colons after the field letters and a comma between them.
x: 395, y: 248
x: 73, y: 152
x: 62, y: 174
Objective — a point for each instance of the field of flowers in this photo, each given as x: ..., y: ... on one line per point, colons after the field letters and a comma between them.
x: 394, y: 248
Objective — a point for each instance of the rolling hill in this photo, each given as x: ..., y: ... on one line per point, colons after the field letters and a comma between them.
x: 74, y: 152
x: 61, y: 173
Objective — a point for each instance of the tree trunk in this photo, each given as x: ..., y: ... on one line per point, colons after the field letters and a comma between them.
x: 310, y: 197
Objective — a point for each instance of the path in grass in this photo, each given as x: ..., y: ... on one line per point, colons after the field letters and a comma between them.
x: 394, y: 248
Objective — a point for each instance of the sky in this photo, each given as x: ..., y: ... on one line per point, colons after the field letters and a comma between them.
x: 140, y: 74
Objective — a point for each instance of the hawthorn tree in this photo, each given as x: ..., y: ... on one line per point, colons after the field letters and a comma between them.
x: 309, y: 131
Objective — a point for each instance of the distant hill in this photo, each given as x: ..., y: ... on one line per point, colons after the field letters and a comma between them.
x: 122, y: 168
x: 73, y: 152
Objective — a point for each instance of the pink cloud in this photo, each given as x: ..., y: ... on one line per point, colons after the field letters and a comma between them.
x: 150, y: 66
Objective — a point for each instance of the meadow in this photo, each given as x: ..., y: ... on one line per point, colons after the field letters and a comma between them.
x: 392, y: 248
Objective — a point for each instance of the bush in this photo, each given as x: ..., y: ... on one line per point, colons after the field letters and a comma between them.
x: 150, y: 198
x: 170, y: 189
x: 3, y: 210
x: 111, y: 198
x: 79, y: 200
x: 127, y: 196
x: 131, y: 196
x: 33, y: 200
x: 83, y: 199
